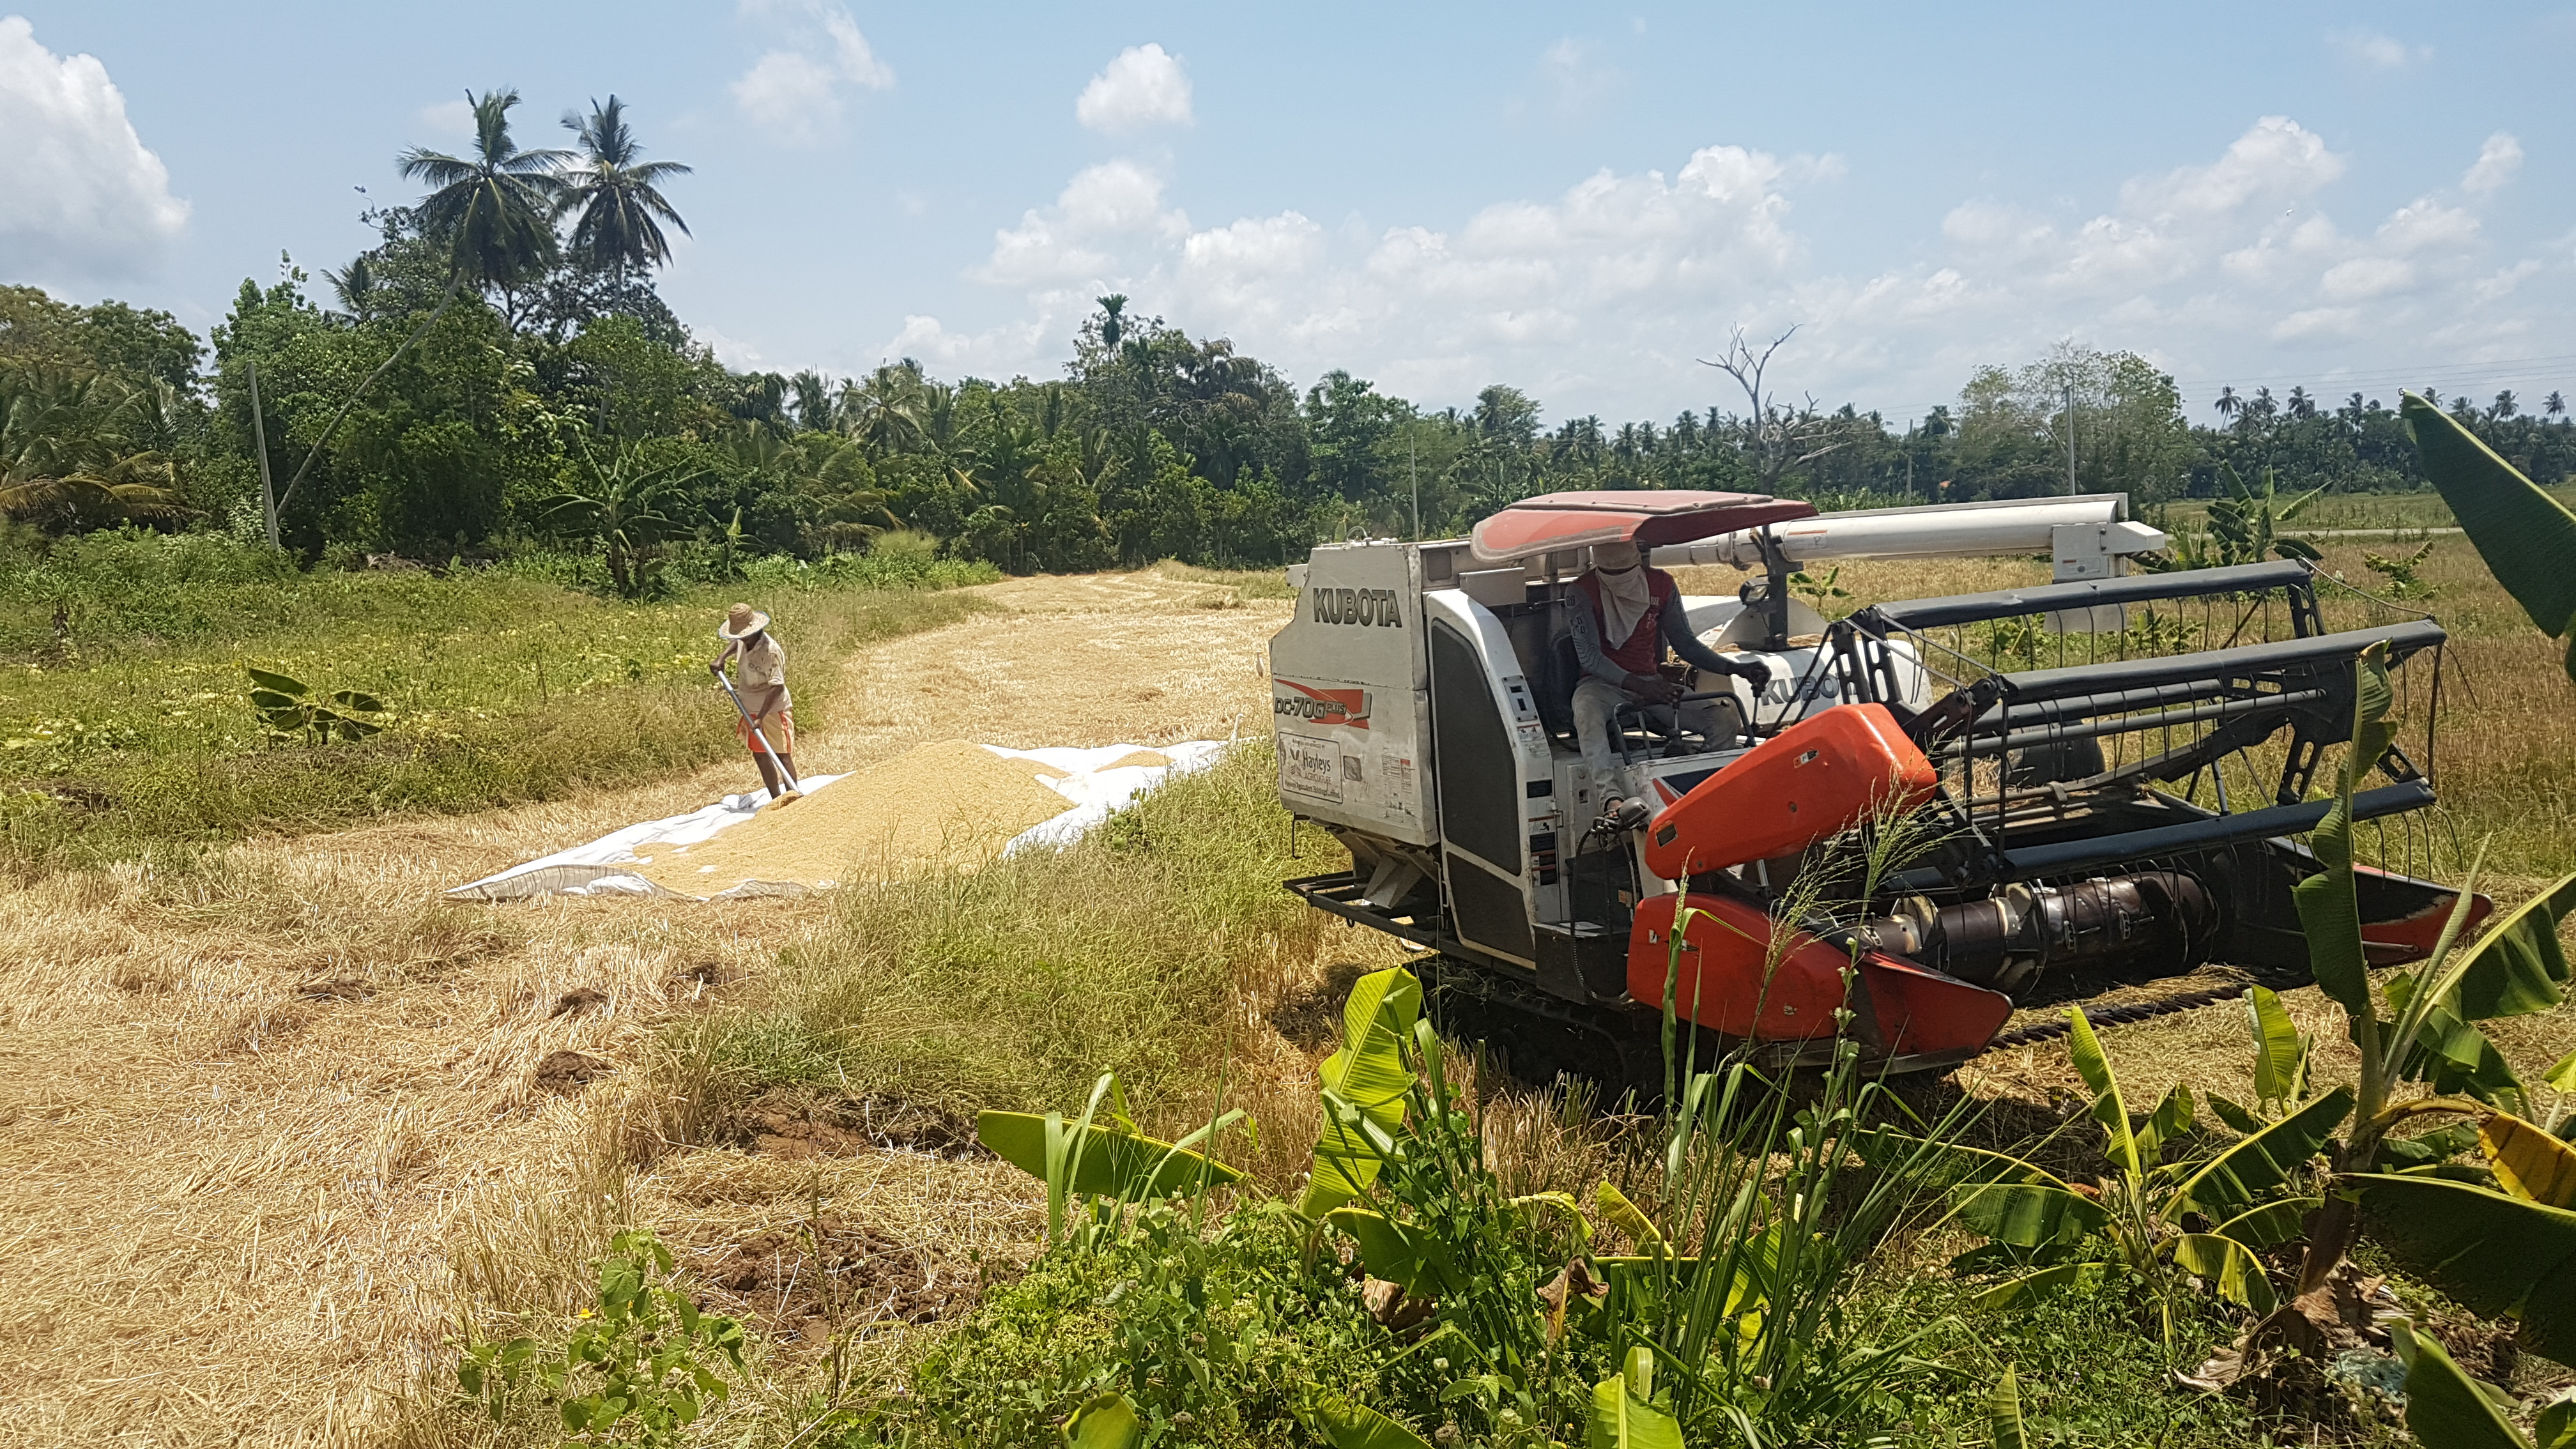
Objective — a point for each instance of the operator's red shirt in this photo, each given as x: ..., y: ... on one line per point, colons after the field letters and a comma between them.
x: 1643, y: 649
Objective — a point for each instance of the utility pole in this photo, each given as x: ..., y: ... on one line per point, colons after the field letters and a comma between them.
x: 1413, y: 463
x: 2070, y: 440
x: 1909, y: 462
x: 259, y: 439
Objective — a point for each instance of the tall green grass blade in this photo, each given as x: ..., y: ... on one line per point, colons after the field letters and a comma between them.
x: 2525, y: 536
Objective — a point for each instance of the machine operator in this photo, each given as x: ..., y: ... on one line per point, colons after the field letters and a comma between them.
x: 1622, y: 614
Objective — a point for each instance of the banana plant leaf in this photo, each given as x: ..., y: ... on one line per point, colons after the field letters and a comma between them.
x: 2528, y: 1162
x: 2238, y: 1177
x: 1623, y: 1416
x: 2445, y: 1408
x: 2030, y: 1215
x: 2525, y: 536
x: 2280, y: 1052
x: 1365, y: 1085
x: 2170, y: 1122
x: 2494, y: 1253
x: 1346, y: 1425
x: 2437, y: 1146
x: 1107, y: 1422
x: 1112, y: 1163
x: 2228, y: 1266
x: 2518, y: 967
x: 2109, y: 1107
x: 2031, y: 1285
x: 1405, y: 1254
x: 2272, y: 1224
x: 2004, y: 1428
x: 1625, y: 1215
x: 2236, y: 1117
x: 2328, y: 903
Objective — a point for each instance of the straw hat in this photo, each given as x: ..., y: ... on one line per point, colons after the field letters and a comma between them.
x: 741, y: 622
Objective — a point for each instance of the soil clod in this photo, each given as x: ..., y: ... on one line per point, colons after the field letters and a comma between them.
x: 804, y: 1280
x: 567, y: 1072
x: 572, y: 1002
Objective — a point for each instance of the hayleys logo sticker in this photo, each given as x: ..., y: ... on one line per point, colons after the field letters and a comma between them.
x: 1322, y: 706
x: 1364, y: 607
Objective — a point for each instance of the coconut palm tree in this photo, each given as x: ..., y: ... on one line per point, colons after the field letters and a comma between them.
x: 83, y: 441
x: 1113, y: 320
x: 815, y: 409
x: 615, y: 200
x: 2554, y: 405
x: 494, y: 210
x: 2301, y: 406
x: 2505, y: 406
x: 2228, y: 402
x: 493, y: 213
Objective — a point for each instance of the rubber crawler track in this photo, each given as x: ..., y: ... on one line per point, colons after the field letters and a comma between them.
x: 2114, y: 1016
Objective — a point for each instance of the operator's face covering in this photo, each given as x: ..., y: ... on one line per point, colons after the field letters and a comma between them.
x: 1615, y: 558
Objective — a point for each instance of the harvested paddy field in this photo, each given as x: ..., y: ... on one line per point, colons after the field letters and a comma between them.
x: 275, y: 1123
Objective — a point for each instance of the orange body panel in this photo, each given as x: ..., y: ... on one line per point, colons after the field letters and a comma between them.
x: 1905, y: 1010
x: 1824, y: 774
x: 1725, y: 946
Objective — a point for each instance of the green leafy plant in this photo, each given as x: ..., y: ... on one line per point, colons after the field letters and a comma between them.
x: 2247, y: 1190
x: 2430, y: 1034
x: 2525, y: 536
x: 639, y: 1368
x: 1824, y: 595
x: 620, y: 504
x: 2447, y: 1409
x: 2244, y: 527
x: 1107, y: 1422
x: 2399, y: 570
x: 1107, y: 1168
x: 290, y: 709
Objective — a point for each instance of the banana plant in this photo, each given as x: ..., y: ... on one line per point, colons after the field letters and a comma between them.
x: 1626, y: 1414
x: 2429, y: 1032
x: 1107, y: 1422
x: 2447, y: 1409
x: 290, y: 707
x: 2503, y: 1251
x: 2140, y: 1207
x: 1365, y: 1087
x: 1113, y: 1161
x: 2525, y: 536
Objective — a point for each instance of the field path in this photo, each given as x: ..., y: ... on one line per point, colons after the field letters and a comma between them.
x: 259, y: 1116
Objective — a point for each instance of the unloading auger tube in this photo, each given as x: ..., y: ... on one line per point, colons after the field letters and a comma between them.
x: 2108, y: 778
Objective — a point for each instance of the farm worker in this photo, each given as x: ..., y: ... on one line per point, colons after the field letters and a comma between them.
x: 760, y: 674
x: 1622, y: 614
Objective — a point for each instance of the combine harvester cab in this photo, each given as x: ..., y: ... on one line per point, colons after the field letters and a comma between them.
x: 2100, y: 781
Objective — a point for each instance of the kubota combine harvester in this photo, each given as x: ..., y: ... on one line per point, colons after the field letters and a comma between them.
x: 2111, y: 773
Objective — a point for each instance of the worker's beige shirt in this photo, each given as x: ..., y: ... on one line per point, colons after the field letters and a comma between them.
x: 760, y: 672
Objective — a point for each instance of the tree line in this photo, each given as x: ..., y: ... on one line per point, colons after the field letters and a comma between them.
x: 498, y: 372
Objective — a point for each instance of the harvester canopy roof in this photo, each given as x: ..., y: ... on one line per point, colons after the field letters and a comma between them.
x: 1642, y: 516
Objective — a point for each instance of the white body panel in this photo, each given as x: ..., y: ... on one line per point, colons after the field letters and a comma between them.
x: 2083, y: 534
x: 1349, y: 694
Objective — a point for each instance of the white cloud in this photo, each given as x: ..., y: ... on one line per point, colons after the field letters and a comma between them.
x: 1575, y: 79
x: 80, y: 197
x: 2374, y: 51
x: 1599, y: 297
x: 2498, y: 162
x: 795, y: 94
x: 448, y: 118
x: 1140, y: 90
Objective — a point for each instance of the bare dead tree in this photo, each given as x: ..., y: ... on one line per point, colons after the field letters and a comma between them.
x: 1777, y: 437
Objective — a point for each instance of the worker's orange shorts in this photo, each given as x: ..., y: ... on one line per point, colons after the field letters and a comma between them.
x: 778, y: 724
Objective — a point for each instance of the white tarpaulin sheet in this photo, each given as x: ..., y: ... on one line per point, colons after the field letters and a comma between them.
x: 1092, y: 793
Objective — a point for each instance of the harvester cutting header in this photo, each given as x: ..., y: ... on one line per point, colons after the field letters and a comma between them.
x: 2111, y: 770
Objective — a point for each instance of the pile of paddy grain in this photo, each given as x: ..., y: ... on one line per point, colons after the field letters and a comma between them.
x: 944, y: 804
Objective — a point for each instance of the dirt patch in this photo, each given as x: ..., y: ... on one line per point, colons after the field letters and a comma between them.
x: 845, y: 1128
x: 947, y: 802
x: 574, y: 1002
x: 1310, y: 1016
x: 804, y: 1281
x: 566, y: 1072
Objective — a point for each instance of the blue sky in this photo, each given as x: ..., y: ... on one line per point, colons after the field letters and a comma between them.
x: 1578, y: 201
